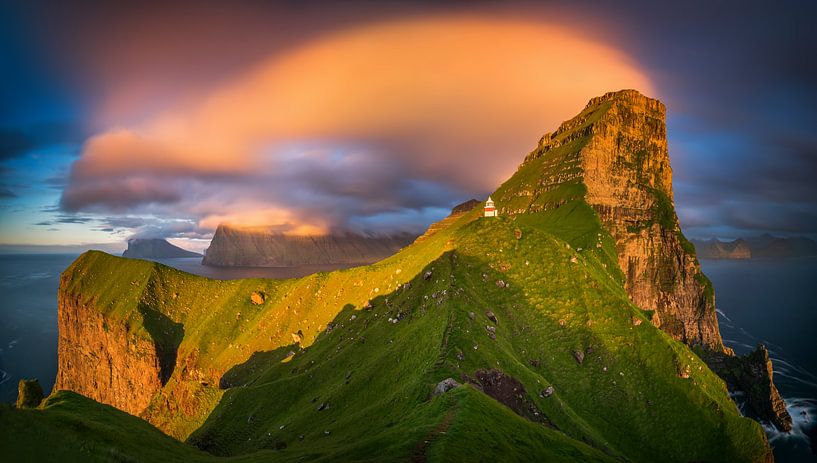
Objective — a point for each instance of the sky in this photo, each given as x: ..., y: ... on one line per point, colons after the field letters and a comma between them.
x: 164, y: 119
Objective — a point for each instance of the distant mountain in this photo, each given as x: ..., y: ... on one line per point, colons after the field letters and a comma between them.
x: 155, y: 248
x: 771, y: 246
x: 236, y: 247
x: 764, y: 246
x: 715, y: 249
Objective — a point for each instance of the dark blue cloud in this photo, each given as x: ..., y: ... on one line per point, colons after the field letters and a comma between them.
x: 740, y: 83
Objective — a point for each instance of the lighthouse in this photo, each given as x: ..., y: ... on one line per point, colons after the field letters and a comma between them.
x: 490, y: 210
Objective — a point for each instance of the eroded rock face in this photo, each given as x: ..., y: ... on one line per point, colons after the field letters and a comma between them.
x: 508, y: 391
x: 29, y: 393
x: 752, y: 374
x: 622, y: 159
x: 102, y: 360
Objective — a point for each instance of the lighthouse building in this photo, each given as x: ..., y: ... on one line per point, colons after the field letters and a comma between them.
x: 490, y: 210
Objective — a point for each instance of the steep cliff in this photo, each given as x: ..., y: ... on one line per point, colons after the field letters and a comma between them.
x: 614, y: 154
x: 105, y: 357
x: 260, y: 248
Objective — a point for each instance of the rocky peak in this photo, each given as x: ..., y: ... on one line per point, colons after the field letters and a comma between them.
x: 614, y: 156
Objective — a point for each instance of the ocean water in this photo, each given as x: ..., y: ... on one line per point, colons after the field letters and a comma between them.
x: 768, y: 301
x: 774, y: 302
x: 28, y: 319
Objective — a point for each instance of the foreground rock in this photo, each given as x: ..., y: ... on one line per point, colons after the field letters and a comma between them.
x: 508, y: 391
x: 236, y: 247
x: 752, y: 375
x: 445, y: 386
x: 29, y: 393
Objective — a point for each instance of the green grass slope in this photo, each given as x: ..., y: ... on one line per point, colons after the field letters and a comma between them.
x: 626, y: 400
x: 372, y: 342
x: 68, y: 427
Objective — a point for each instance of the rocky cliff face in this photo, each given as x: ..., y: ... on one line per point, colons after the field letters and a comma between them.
x: 753, y: 375
x: 100, y: 359
x: 257, y: 248
x: 615, y: 152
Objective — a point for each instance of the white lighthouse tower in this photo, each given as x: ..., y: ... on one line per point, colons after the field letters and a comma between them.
x: 490, y: 210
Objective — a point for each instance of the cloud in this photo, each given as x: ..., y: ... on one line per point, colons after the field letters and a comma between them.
x: 392, y: 118
x: 118, y: 194
x: 759, y: 182
x: 16, y: 141
x: 5, y: 193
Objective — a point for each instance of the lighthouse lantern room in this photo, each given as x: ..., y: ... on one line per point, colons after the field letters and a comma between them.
x: 490, y: 210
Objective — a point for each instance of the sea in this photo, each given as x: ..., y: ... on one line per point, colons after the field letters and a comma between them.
x: 773, y: 302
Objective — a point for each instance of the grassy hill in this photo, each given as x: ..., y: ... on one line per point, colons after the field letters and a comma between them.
x: 626, y: 399
x: 527, y: 312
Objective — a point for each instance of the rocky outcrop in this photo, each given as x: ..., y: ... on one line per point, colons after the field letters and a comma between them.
x: 716, y: 249
x: 456, y: 212
x: 155, y: 248
x: 235, y: 247
x: 616, y: 149
x: 465, y: 206
x: 752, y: 375
x: 99, y: 358
x: 29, y: 393
x: 508, y: 391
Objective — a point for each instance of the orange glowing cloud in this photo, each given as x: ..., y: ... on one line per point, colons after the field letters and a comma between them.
x: 454, y: 99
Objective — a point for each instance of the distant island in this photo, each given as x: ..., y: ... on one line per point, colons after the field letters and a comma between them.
x: 764, y: 246
x: 155, y: 248
x: 239, y: 247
